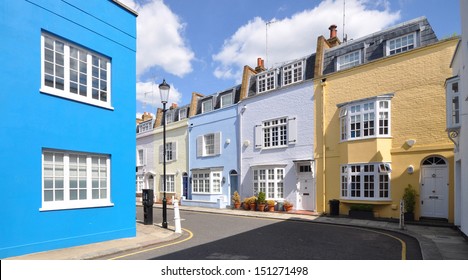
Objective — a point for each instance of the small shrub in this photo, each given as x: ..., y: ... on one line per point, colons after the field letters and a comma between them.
x: 362, y: 207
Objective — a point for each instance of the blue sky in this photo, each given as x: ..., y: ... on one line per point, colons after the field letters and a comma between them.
x: 202, y: 45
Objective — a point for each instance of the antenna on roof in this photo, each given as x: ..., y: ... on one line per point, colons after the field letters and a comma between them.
x: 345, y: 37
x: 266, y: 41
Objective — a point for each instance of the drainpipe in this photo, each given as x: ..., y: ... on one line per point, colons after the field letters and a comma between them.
x: 323, y: 83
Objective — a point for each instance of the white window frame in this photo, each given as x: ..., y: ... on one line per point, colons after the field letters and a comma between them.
x: 145, y: 126
x: 170, y: 183
x: 226, y: 100
x: 276, y: 133
x: 207, y: 106
x: 182, y: 113
x: 452, y: 90
x: 292, y: 73
x: 207, y: 181
x: 171, y: 152
x: 366, y: 181
x: 269, y: 180
x: 141, y: 157
x: 100, y: 84
x: 96, y: 180
x: 140, y: 183
x: 204, y: 148
x: 370, y: 118
x: 348, y: 60
x: 401, y: 44
x: 266, y: 81
x: 169, y: 117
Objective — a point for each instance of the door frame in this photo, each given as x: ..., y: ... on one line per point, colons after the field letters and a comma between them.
x: 428, y: 163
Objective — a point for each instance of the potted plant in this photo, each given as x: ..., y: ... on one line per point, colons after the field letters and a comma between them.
x: 287, y: 206
x: 247, y: 203
x: 236, y: 200
x: 253, y: 203
x: 271, y: 205
x: 409, y: 198
x: 261, y: 201
x: 361, y: 211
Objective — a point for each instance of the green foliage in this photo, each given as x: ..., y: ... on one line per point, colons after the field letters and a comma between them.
x: 271, y: 202
x: 409, y: 197
x: 261, y: 198
x: 362, y: 207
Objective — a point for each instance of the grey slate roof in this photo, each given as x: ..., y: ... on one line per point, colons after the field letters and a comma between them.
x: 374, y: 45
x: 216, y: 97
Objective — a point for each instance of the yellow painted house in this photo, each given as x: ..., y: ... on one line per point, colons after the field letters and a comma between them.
x: 380, y: 121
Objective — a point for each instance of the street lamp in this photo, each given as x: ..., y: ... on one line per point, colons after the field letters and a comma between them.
x: 164, y: 91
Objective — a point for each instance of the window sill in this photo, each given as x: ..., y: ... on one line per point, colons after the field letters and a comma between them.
x: 366, y: 138
x: 73, y: 205
x: 77, y: 98
x: 364, y: 201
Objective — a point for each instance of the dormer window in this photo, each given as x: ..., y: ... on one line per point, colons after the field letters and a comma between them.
x: 266, y: 81
x: 401, y: 44
x: 182, y: 113
x: 145, y: 126
x: 293, y: 73
x: 169, y: 117
x: 226, y: 100
x: 349, y: 60
x: 207, y: 106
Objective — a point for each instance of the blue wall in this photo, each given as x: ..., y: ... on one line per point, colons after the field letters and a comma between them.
x: 31, y: 120
x: 220, y: 120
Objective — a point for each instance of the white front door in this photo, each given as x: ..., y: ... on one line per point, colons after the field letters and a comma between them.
x: 306, y: 188
x: 434, y: 188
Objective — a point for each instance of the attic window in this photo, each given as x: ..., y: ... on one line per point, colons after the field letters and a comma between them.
x: 293, y: 73
x: 207, y: 106
x: 226, y: 100
x: 266, y: 81
x: 349, y: 60
x: 401, y: 44
x: 182, y: 113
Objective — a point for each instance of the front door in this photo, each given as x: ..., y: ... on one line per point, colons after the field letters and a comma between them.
x: 306, y: 188
x: 434, y: 188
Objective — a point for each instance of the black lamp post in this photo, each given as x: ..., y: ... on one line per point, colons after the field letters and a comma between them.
x: 164, y: 91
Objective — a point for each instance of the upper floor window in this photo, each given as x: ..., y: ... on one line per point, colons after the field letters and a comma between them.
x: 74, y: 180
x: 226, y: 100
x: 145, y: 126
x: 276, y: 133
x: 140, y: 157
x: 266, y: 81
x: 183, y: 113
x: 453, y: 102
x: 209, y: 144
x: 349, y: 60
x: 72, y: 72
x: 365, y: 181
x: 171, y: 152
x: 401, y: 44
x: 207, y: 106
x: 293, y: 73
x: 170, y: 117
x: 365, y: 119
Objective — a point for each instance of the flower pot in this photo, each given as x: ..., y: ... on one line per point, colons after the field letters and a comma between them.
x: 409, y: 217
x: 261, y: 207
x: 271, y: 208
x: 237, y: 205
x: 361, y: 214
x: 253, y: 206
x: 246, y: 206
x: 287, y: 208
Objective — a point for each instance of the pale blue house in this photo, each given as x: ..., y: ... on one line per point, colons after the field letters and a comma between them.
x: 67, y: 124
x: 213, y: 150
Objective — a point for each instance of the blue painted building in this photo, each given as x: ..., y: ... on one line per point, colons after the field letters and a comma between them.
x: 67, y: 124
x: 213, y: 150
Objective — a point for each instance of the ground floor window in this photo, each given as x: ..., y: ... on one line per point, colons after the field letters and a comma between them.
x: 270, y: 181
x: 206, y: 181
x: 369, y: 181
x: 139, y: 183
x: 170, y: 183
x: 74, y: 180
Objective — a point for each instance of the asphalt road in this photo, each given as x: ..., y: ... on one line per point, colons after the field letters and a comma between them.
x: 225, y: 237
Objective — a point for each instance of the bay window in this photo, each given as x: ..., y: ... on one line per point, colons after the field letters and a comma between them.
x: 368, y: 181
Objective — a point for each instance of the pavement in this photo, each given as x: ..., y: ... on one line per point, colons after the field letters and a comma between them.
x: 438, y: 241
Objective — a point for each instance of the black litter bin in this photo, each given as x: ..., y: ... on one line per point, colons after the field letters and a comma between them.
x: 334, y: 207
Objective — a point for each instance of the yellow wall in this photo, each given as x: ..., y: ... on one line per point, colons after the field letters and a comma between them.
x: 416, y: 79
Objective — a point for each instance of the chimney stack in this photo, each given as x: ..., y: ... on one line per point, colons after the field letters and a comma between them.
x: 332, y: 29
x: 173, y: 106
x: 260, y: 65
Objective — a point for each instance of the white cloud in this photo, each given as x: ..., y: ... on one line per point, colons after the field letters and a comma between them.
x: 160, y: 39
x: 148, y: 94
x: 295, y: 37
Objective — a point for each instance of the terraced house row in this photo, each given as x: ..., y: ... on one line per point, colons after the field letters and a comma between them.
x: 357, y: 121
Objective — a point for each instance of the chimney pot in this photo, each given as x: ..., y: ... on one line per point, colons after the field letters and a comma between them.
x: 332, y: 29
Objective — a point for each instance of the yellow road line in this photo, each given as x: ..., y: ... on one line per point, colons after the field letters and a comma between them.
x: 158, y: 247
